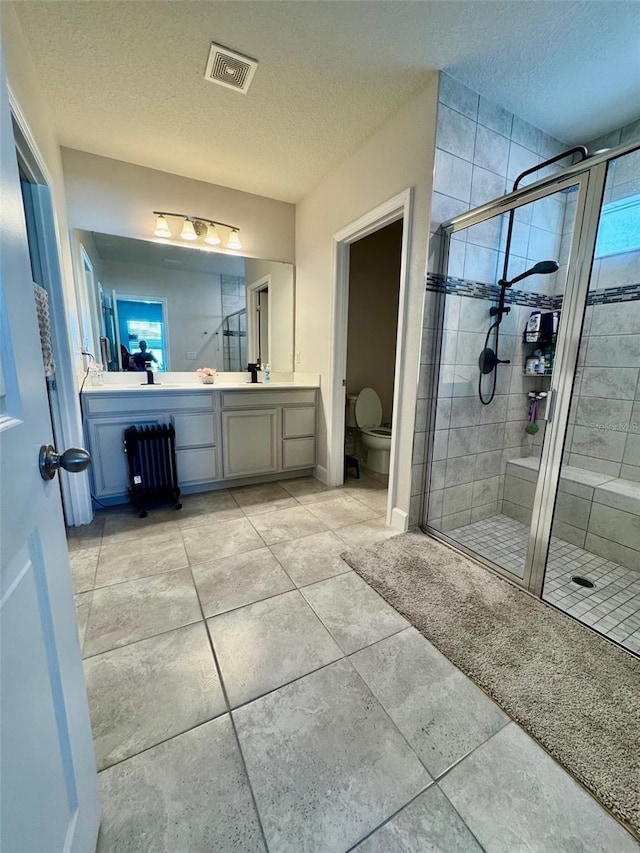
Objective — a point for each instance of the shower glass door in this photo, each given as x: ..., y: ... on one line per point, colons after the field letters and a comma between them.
x: 501, y: 353
x: 593, y: 569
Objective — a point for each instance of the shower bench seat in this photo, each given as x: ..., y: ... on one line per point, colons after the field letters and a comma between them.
x: 594, y: 511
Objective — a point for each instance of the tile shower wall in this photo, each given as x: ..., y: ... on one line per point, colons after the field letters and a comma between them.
x: 233, y: 294
x: 480, y: 149
x: 604, y: 433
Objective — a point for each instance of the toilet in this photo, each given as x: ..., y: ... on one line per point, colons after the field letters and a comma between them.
x: 364, y: 411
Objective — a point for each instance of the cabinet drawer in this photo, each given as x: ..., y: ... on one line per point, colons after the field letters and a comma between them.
x: 298, y: 453
x: 298, y: 422
x: 195, y: 429
x: 267, y: 397
x: 146, y: 401
x: 197, y: 465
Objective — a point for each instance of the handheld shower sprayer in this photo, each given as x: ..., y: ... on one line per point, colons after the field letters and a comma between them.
x: 541, y: 268
x: 488, y: 360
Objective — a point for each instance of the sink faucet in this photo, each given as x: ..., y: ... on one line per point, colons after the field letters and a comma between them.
x: 253, y: 370
x: 149, y: 371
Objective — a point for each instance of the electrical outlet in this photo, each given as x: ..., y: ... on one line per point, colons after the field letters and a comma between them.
x: 297, y: 356
x: 190, y: 356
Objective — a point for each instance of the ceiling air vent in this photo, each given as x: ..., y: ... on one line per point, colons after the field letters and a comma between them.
x: 230, y: 69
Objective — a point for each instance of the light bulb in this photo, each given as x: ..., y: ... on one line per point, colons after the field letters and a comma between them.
x: 212, y: 238
x: 234, y: 240
x: 162, y: 228
x: 188, y: 231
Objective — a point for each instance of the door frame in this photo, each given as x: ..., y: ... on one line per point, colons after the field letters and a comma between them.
x: 590, y: 175
x: 65, y: 402
x: 263, y: 283
x: 398, y: 207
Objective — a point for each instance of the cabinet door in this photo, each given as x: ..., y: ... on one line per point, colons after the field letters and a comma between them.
x: 108, y: 459
x: 250, y: 443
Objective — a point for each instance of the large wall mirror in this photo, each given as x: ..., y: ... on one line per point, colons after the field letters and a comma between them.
x: 188, y: 307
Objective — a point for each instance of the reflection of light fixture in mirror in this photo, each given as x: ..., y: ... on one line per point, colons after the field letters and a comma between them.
x: 188, y: 231
x: 212, y: 238
x: 162, y: 227
x: 195, y: 227
x: 234, y: 240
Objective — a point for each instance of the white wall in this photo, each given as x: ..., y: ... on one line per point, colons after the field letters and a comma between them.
x: 374, y: 288
x: 281, y: 309
x: 194, y: 308
x: 34, y: 110
x: 399, y: 155
x: 113, y: 197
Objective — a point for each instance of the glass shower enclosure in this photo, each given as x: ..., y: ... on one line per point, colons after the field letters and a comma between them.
x: 533, y: 444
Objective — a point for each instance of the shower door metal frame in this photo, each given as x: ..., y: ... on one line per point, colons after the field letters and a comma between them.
x: 589, y: 176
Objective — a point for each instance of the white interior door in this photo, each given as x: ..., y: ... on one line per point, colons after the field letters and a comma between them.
x: 48, y: 793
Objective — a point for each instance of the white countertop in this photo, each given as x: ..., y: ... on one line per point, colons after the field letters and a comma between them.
x: 181, y: 388
x: 133, y: 383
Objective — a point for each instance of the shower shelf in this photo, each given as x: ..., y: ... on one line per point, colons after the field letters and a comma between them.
x: 547, y: 373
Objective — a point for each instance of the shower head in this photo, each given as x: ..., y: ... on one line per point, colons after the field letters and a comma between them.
x: 541, y: 268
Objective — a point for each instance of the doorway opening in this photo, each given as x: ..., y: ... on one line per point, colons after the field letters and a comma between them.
x: 374, y: 289
x: 259, y: 325
x: 396, y: 211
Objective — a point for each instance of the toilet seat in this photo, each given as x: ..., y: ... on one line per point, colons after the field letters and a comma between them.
x: 368, y: 410
x: 383, y: 431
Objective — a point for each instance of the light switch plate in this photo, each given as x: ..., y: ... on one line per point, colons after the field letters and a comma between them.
x: 190, y: 356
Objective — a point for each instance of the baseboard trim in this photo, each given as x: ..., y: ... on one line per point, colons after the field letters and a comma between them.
x: 321, y: 473
x: 399, y: 520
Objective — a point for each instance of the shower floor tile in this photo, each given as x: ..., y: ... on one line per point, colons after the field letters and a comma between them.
x: 612, y: 606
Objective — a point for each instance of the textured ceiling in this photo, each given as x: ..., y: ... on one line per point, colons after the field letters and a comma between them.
x: 125, y: 79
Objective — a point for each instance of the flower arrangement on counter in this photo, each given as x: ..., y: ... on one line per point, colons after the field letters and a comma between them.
x: 207, y: 374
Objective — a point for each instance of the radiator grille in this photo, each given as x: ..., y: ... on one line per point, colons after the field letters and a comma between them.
x: 153, y: 475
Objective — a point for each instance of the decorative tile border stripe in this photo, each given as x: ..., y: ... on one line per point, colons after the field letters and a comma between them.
x: 628, y: 293
x: 435, y: 283
x: 491, y: 292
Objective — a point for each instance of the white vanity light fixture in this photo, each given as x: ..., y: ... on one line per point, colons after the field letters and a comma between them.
x: 188, y: 231
x: 194, y: 227
x: 162, y: 227
x: 212, y: 238
x: 234, y: 240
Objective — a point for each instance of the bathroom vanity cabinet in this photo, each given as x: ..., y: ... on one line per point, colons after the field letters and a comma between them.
x: 224, y: 435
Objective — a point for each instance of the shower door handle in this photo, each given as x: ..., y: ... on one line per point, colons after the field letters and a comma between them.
x: 551, y: 406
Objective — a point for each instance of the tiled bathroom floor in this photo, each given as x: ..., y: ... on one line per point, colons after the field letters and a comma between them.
x: 612, y: 606
x: 249, y: 692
